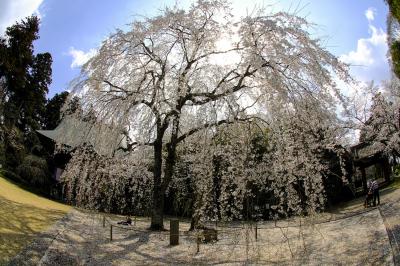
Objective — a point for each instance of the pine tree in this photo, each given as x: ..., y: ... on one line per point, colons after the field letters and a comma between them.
x: 25, y: 76
x: 24, y: 81
x: 393, y: 28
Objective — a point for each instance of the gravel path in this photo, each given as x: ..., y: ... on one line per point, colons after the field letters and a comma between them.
x: 390, y: 212
x: 356, y: 237
x: 32, y: 253
x: 391, y: 218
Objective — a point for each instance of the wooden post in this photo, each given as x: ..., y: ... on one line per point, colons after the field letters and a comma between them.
x: 198, y: 242
x: 104, y: 221
x: 247, y: 242
x: 255, y: 231
x: 364, y: 179
x: 386, y: 169
x: 174, y: 232
x: 134, y: 220
x: 110, y: 232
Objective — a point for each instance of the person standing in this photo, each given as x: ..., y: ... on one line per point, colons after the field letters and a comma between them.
x: 374, y: 189
x: 369, y: 196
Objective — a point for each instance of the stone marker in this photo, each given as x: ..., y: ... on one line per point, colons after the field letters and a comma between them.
x: 174, y: 232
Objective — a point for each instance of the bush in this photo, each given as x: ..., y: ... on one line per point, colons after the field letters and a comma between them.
x: 14, y: 150
x: 12, y: 176
x: 395, y: 52
x: 34, y: 170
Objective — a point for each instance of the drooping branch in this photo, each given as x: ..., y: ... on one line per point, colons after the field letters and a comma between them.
x: 130, y: 147
x: 201, y: 98
x: 213, y: 124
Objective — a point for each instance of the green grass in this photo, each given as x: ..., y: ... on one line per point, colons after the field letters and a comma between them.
x: 396, y: 182
x: 22, y: 216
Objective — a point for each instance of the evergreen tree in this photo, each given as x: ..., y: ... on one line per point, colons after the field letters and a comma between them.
x: 25, y: 76
x: 393, y: 29
x: 24, y: 80
x: 52, y: 115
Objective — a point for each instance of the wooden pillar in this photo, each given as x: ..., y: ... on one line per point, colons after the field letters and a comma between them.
x: 255, y: 231
x: 174, y: 232
x: 198, y: 240
x: 364, y: 179
x: 386, y: 168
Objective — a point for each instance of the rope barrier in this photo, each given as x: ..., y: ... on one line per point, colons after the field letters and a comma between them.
x: 232, y: 233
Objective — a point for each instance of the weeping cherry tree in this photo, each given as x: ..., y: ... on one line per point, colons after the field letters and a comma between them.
x: 170, y: 76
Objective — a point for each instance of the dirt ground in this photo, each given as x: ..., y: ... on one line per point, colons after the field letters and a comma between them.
x: 348, y: 235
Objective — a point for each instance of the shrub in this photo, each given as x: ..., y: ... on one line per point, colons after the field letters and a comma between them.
x: 14, y: 150
x: 34, y: 170
x: 12, y: 176
x: 395, y: 52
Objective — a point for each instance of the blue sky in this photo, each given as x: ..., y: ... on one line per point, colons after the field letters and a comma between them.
x: 71, y: 30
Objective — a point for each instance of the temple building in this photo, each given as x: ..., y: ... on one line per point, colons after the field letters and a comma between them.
x: 370, y: 162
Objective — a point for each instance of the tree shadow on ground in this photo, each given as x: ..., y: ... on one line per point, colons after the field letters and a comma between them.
x: 394, y: 236
x: 85, y: 241
x: 360, y: 240
x: 19, y: 223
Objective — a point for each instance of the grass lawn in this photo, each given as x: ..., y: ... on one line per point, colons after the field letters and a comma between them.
x: 396, y: 182
x: 22, y: 215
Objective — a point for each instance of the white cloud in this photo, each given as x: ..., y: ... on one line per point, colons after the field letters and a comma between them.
x: 361, y: 56
x: 79, y: 57
x: 378, y: 36
x: 369, y: 61
x: 12, y: 11
x: 370, y: 14
x: 368, y: 49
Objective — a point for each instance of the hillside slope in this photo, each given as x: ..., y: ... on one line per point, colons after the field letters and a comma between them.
x: 22, y: 216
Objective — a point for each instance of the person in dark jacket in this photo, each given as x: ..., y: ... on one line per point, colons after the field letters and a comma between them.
x: 374, y: 189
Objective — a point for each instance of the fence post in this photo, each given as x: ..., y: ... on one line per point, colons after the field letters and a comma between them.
x: 174, y: 232
x: 247, y: 243
x: 255, y: 231
x: 198, y: 242
x: 104, y: 221
x: 110, y: 232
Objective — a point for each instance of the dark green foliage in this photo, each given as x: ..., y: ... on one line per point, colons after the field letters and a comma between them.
x: 13, y: 176
x: 52, y: 115
x: 14, y: 149
x: 50, y: 120
x: 34, y: 170
x: 24, y: 80
x: 394, y: 9
x: 395, y: 52
x: 25, y: 76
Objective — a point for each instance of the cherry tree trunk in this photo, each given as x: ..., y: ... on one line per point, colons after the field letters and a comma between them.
x: 161, y: 184
x: 157, y: 215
